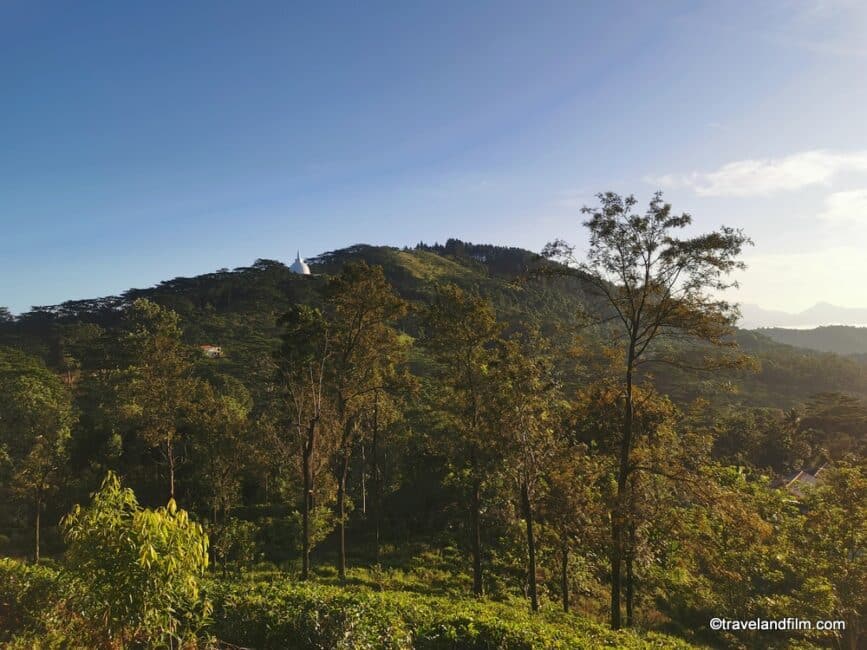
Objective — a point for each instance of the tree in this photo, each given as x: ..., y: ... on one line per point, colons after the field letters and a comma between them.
x: 573, y: 508
x: 367, y: 352
x: 137, y: 572
x: 655, y: 286
x: 383, y: 414
x: 220, y: 442
x: 35, y: 424
x: 156, y: 396
x: 460, y: 329
x: 834, y: 541
x: 524, y: 405
x: 304, y: 353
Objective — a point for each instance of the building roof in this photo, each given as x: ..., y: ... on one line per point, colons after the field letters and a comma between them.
x: 797, y: 482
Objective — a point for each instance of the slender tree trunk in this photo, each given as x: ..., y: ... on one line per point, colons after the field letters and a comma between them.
x: 630, y: 580
x: 307, y: 471
x: 618, y: 516
x: 341, y: 513
x: 363, y: 482
x: 211, y: 547
x: 475, y: 505
x: 37, y: 525
x: 376, y: 474
x: 564, y: 573
x: 170, y: 457
x: 531, y: 547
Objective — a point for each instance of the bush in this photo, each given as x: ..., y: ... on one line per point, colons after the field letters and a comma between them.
x: 135, y: 572
x: 305, y: 617
x: 234, y: 544
x: 293, y: 616
x: 27, y: 593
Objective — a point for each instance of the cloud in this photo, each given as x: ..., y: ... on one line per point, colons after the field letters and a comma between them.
x: 758, y: 177
x: 850, y: 206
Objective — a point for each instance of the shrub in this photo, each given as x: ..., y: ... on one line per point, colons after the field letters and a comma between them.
x: 234, y: 544
x: 305, y: 617
x: 27, y: 593
x: 135, y: 572
x: 293, y: 616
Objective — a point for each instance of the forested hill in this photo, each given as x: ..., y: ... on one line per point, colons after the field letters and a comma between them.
x: 840, y: 339
x: 238, y: 311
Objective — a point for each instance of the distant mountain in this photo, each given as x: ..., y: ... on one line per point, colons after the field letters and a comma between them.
x: 820, y: 314
x: 840, y: 339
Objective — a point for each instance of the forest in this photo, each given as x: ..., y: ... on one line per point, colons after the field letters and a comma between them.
x: 440, y: 446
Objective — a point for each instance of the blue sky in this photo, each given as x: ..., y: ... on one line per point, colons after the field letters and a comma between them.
x: 142, y: 141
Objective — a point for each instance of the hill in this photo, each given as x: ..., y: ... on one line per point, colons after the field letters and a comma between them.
x: 238, y: 310
x: 839, y: 339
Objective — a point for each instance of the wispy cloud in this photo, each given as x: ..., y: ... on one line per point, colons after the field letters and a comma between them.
x: 826, y: 27
x: 850, y: 206
x: 757, y: 177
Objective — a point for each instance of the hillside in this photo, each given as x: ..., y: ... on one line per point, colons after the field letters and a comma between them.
x: 238, y: 310
x: 839, y: 339
x: 135, y: 403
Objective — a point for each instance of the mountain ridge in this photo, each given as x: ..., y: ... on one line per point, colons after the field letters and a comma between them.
x: 821, y: 314
x: 239, y: 309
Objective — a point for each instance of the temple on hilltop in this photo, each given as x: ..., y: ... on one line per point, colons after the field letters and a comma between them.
x: 299, y: 266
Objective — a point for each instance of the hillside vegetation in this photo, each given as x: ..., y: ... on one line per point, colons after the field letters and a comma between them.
x: 422, y: 448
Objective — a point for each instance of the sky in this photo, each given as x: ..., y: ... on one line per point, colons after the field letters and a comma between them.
x: 144, y: 141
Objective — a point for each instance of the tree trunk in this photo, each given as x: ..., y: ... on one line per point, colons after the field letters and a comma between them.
x: 341, y: 513
x: 630, y: 580
x: 170, y: 457
x: 475, y: 505
x: 307, y: 471
x: 616, y: 545
x: 363, y: 482
x: 531, y: 547
x: 37, y: 525
x: 376, y: 475
x: 564, y: 573
x: 618, y: 516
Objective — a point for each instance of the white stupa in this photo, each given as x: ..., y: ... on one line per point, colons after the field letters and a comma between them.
x: 299, y: 266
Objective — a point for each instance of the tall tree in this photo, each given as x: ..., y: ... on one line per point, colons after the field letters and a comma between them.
x: 159, y: 383
x: 220, y: 443
x: 460, y: 331
x: 367, y: 351
x: 302, y: 359
x: 35, y: 421
x: 524, y: 402
x: 383, y: 414
x: 655, y: 285
x: 573, y: 509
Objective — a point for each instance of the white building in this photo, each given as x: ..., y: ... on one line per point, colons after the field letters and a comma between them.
x: 299, y: 266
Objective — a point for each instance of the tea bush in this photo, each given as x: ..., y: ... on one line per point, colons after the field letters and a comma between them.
x: 27, y: 593
x: 287, y: 615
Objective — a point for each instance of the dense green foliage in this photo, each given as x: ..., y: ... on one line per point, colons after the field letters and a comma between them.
x: 429, y: 422
x: 130, y: 578
x: 279, y: 614
x: 135, y: 572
